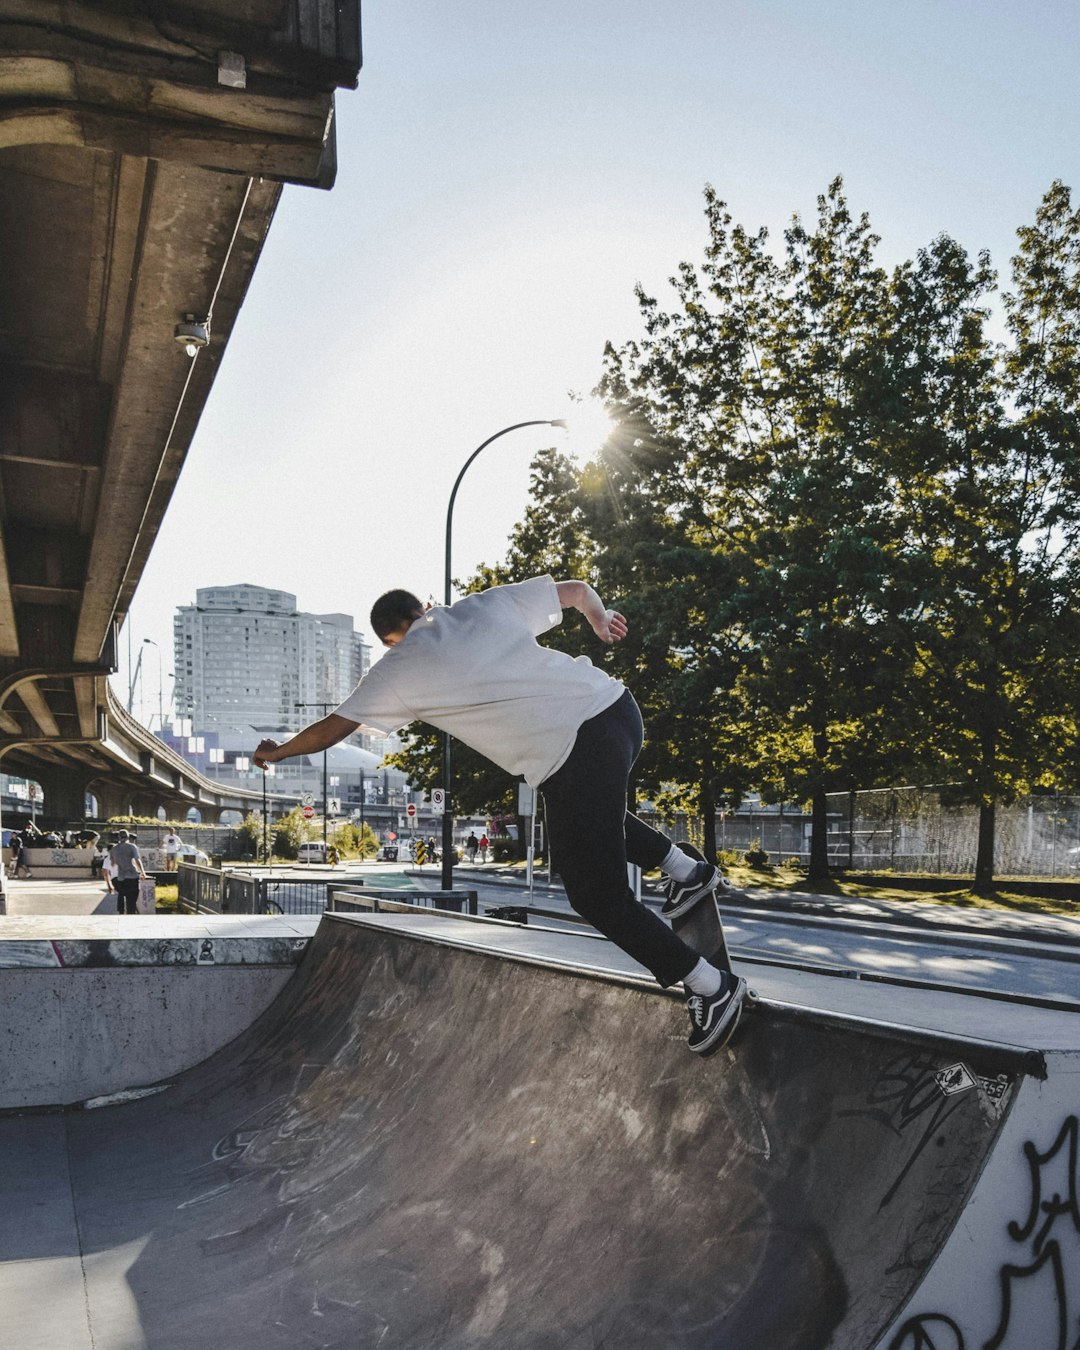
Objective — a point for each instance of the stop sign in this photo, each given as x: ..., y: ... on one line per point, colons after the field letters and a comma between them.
x: 309, y: 811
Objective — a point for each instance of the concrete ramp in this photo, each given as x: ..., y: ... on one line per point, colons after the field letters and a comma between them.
x: 420, y: 1145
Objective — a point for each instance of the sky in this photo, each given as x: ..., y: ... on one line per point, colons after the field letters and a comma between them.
x: 507, y: 176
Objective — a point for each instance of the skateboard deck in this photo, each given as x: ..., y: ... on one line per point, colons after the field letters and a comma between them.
x: 703, y: 929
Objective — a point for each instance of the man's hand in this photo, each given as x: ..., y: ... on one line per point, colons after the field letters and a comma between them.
x: 610, y: 627
x: 260, y: 754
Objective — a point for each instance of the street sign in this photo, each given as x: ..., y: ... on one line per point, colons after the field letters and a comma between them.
x: 309, y: 811
x: 308, y: 798
x: 335, y: 806
x: 438, y: 801
x: 410, y: 810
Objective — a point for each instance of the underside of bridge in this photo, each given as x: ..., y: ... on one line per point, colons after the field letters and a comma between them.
x: 143, y: 147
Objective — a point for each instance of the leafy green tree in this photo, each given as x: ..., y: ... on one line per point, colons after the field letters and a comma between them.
x: 290, y: 832
x: 356, y: 841
x: 765, y: 386
x: 250, y: 835
x: 990, y: 439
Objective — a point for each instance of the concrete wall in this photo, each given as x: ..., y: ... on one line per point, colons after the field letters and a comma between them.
x: 71, y: 1032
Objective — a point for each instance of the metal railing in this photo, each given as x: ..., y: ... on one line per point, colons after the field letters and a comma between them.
x: 206, y: 890
x: 371, y: 899
x: 199, y: 888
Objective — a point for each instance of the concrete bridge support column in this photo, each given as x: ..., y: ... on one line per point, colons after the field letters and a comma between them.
x: 113, y: 800
x: 65, y: 797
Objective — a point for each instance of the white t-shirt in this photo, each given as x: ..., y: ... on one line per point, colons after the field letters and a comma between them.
x: 477, y: 671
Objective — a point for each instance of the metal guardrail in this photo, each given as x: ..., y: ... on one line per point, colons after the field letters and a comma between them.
x: 206, y: 890
x: 370, y: 899
x: 199, y: 888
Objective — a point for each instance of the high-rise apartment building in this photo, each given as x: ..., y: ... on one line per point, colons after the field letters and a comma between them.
x: 246, y: 657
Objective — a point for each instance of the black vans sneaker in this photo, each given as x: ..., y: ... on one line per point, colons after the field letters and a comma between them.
x: 684, y: 895
x: 714, y: 1017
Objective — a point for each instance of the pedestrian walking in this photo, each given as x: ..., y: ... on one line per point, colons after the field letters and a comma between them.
x: 18, y: 856
x: 129, y: 871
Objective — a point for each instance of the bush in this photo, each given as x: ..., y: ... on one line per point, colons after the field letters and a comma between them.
x: 290, y: 832
x: 727, y: 857
x: 249, y: 834
x: 354, y: 843
x: 756, y: 855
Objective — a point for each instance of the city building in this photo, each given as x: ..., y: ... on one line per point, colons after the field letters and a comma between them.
x: 245, y: 657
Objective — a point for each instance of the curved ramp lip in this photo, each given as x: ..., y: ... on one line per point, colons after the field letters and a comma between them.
x: 1022, y: 1060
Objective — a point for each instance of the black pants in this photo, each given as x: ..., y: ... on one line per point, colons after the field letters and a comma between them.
x: 592, y: 837
x: 127, y: 895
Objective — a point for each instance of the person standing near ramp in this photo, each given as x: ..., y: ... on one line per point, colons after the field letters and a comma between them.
x: 474, y: 669
x: 127, y: 860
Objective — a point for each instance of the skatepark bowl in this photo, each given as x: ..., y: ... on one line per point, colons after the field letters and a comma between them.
x: 436, y: 1136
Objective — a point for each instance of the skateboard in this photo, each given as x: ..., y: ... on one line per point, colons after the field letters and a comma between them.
x: 702, y: 929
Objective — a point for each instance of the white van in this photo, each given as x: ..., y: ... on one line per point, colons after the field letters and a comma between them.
x: 312, y: 851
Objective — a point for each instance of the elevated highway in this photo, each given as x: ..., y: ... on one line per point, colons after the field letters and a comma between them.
x: 143, y: 149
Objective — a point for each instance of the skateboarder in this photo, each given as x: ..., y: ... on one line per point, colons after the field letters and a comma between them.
x: 476, y: 671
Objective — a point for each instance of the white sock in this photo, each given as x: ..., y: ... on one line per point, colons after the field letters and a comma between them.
x: 704, y: 979
x: 679, y: 866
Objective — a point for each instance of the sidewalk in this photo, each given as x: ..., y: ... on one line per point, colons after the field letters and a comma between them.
x: 922, y: 915
x: 57, y: 897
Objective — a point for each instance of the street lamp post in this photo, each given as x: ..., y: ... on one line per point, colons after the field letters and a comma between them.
x: 265, y: 845
x: 324, y: 708
x: 149, y: 642
x: 447, y: 758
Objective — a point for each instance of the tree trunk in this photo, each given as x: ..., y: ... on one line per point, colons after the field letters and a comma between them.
x: 819, y: 822
x: 707, y: 800
x: 984, y: 858
x: 819, y: 841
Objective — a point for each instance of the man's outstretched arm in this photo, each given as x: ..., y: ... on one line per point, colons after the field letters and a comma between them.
x: 608, y: 624
x: 318, y: 736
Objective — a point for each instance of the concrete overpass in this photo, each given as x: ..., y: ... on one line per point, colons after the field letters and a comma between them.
x: 143, y: 148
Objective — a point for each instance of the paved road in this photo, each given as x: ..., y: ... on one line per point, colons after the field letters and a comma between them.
x: 939, y: 945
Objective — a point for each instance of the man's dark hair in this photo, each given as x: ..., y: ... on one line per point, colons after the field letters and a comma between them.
x: 392, y: 610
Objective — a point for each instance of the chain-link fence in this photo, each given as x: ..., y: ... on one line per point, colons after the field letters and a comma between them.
x: 912, y: 830
x: 906, y: 829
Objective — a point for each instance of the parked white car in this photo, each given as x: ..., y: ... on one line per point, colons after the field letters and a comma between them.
x: 155, y: 859
x: 312, y: 851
